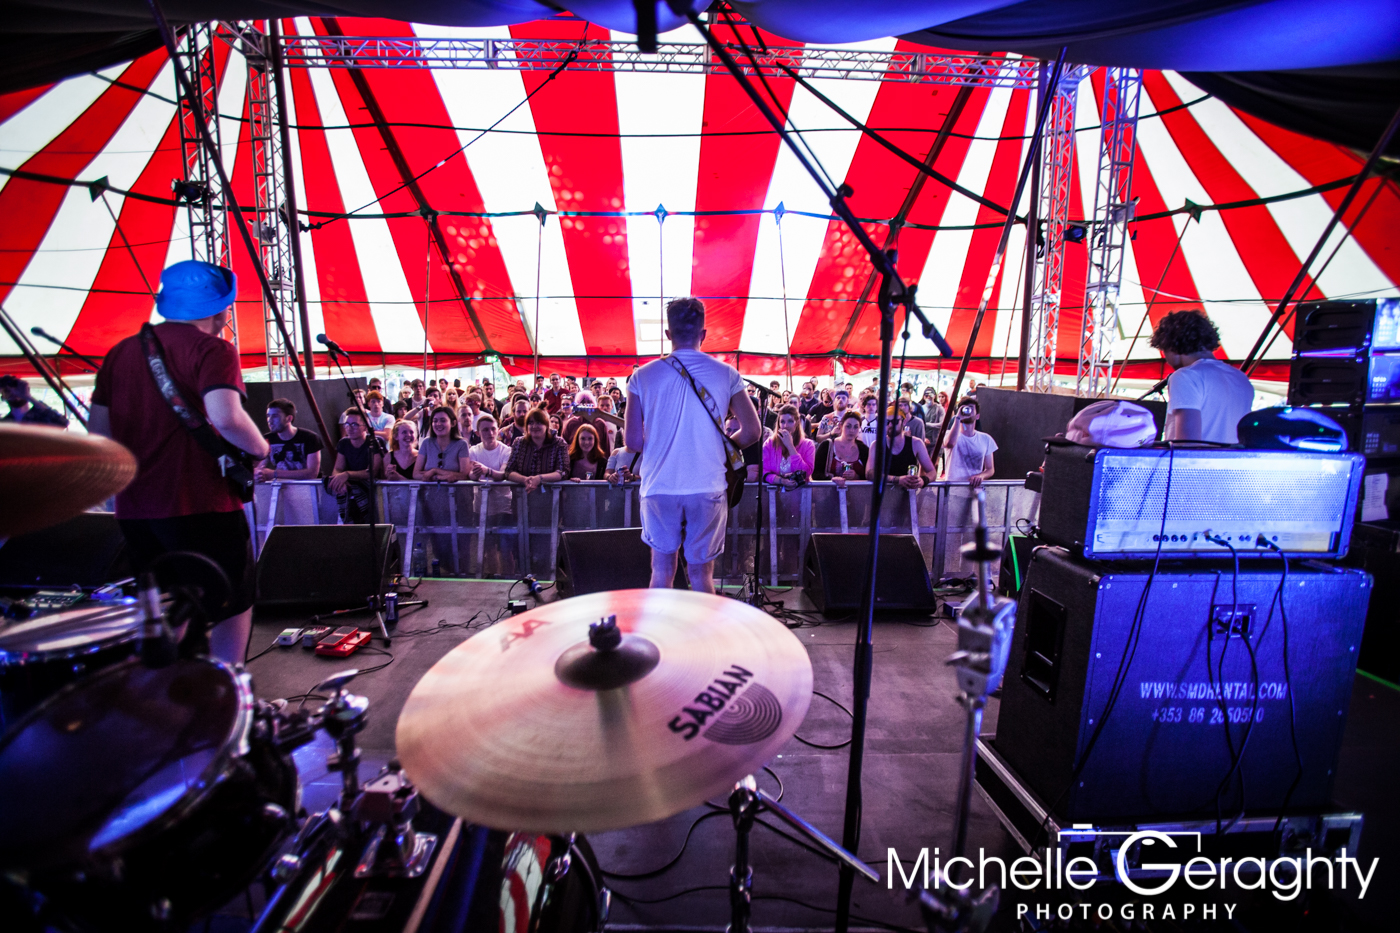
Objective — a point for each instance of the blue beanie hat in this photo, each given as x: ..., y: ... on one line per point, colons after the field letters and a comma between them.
x: 193, y: 290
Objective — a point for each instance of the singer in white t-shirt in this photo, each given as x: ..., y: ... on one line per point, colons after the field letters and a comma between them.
x: 1205, y: 398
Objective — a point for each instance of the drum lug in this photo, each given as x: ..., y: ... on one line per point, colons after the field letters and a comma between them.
x: 604, y: 909
x: 286, y: 868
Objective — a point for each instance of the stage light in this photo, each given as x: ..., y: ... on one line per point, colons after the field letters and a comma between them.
x: 1075, y: 233
x: 189, y: 192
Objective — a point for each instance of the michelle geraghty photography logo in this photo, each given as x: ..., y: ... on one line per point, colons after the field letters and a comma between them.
x: 1165, y: 860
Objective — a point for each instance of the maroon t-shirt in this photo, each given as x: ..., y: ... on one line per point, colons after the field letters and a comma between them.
x: 174, y: 476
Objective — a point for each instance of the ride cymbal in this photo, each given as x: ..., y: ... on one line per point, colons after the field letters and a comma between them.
x: 528, y: 726
x: 51, y: 475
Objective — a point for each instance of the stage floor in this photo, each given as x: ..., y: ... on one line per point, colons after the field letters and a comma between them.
x: 911, y: 765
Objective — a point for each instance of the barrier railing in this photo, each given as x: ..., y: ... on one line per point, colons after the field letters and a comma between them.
x: 497, y: 529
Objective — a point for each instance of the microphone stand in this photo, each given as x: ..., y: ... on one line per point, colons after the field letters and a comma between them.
x: 756, y: 596
x: 984, y: 642
x: 376, y: 600
x: 1153, y: 391
x: 40, y: 332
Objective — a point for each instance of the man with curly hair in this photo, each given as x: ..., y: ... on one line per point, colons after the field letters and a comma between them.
x: 1206, y: 398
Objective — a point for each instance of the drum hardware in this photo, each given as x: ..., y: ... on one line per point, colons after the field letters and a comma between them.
x: 984, y: 644
x: 395, y: 849
x: 746, y: 802
x: 342, y: 717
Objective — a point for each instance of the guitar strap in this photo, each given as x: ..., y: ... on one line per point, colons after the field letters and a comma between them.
x: 190, y: 418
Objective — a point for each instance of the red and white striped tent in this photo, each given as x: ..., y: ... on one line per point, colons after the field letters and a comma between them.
x: 682, y: 190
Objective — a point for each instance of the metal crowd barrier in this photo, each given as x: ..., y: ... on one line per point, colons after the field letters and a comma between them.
x: 498, y: 530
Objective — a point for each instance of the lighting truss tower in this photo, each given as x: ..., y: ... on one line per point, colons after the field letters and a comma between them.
x: 271, y: 224
x: 200, y: 189
x: 1056, y: 183
x: 1113, y: 210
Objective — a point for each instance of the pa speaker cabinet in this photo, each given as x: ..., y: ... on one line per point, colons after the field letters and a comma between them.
x: 1188, y: 682
x: 607, y: 559
x: 88, y: 550
x: 330, y: 566
x: 834, y: 570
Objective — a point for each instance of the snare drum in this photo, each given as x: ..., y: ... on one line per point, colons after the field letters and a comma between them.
x: 42, y: 654
x: 139, y: 798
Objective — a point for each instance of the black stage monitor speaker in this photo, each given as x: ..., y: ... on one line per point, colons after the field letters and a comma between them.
x: 607, y: 559
x: 326, y: 565
x: 834, y: 568
x: 87, y: 550
x: 1189, y: 677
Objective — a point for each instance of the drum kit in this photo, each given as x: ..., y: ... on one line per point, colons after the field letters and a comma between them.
x: 144, y: 791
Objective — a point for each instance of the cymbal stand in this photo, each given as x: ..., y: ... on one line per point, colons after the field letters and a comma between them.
x: 746, y: 802
x: 984, y: 641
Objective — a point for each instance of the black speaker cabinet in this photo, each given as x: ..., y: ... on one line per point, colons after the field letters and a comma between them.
x: 1333, y: 325
x: 607, y: 559
x: 1188, y: 684
x: 330, y: 566
x: 1327, y: 380
x: 834, y: 568
x: 87, y: 550
x: 1375, y: 548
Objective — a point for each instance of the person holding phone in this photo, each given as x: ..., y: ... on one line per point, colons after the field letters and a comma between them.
x: 969, y: 450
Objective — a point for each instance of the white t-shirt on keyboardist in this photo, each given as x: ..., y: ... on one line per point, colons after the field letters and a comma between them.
x: 1219, y: 391
x: 684, y: 453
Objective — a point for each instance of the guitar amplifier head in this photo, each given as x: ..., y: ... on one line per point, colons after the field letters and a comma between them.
x: 1111, y: 502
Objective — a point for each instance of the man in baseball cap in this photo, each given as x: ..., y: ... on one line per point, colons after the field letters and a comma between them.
x: 180, y: 500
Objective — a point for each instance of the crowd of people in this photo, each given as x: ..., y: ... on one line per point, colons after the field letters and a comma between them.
x: 563, y: 430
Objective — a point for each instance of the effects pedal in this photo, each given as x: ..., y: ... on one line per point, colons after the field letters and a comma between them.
x: 289, y: 637
x: 310, y: 636
x: 333, y: 646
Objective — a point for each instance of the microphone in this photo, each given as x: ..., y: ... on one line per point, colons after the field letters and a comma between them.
x: 531, y: 584
x: 762, y: 388
x: 1154, y: 390
x: 330, y: 345
x: 40, y: 332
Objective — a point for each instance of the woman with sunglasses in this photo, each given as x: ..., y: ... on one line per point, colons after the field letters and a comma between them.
x: 443, y: 456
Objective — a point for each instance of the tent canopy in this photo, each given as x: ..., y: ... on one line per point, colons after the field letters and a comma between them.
x: 604, y: 193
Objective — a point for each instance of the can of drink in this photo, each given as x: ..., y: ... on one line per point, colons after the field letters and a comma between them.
x: 437, y: 567
x: 391, y: 607
x: 912, y: 471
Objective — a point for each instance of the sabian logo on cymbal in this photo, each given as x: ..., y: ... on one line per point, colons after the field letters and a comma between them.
x: 743, y: 712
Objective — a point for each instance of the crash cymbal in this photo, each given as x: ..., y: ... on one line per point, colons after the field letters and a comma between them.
x: 527, y: 726
x: 50, y: 475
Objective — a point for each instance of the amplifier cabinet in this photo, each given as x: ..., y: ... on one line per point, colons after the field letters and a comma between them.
x: 1109, y: 501
x: 1163, y: 748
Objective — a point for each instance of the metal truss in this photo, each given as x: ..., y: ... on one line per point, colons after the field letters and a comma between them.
x: 669, y: 58
x: 199, y: 189
x: 1113, y: 210
x: 1056, y: 183
x: 270, y: 225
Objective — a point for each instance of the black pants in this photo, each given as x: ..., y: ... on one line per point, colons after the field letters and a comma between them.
x: 220, y: 536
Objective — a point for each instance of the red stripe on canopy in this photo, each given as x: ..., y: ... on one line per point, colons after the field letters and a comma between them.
x: 585, y: 174
x: 1320, y: 162
x: 1000, y: 188
x: 15, y: 101
x: 119, y: 302
x: 344, y: 303
x: 734, y: 175
x: 1266, y: 254
x: 881, y: 181
x: 898, y: 103
x: 36, y: 203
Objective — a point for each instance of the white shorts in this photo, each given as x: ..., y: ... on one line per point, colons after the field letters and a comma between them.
x: 697, y: 521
